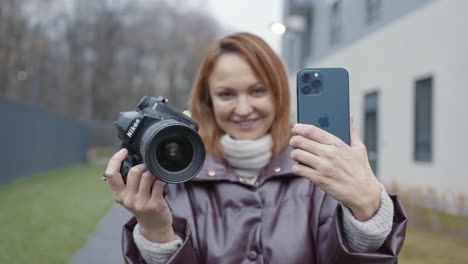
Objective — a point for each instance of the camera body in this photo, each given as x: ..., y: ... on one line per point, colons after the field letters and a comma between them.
x: 163, y: 138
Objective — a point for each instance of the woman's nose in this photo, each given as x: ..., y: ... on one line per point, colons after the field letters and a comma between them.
x: 243, y: 107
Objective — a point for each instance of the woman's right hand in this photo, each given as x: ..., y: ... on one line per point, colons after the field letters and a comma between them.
x: 142, y: 196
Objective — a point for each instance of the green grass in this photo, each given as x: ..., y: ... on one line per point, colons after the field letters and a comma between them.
x: 424, y: 247
x: 47, y: 218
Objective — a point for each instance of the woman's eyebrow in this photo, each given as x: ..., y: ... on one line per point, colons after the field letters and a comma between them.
x: 223, y: 88
x: 229, y: 88
x: 255, y: 84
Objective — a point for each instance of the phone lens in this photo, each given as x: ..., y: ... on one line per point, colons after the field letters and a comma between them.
x: 305, y: 77
x: 316, y: 83
x: 306, y: 89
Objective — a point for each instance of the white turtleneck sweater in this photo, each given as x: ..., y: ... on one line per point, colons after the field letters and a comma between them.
x: 248, y: 158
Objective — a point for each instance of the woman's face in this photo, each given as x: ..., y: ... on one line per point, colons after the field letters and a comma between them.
x: 243, y: 107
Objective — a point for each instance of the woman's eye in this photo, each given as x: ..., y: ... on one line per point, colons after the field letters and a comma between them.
x: 226, y: 94
x: 258, y: 91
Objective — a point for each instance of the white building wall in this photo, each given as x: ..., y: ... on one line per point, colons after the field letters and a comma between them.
x: 432, y: 40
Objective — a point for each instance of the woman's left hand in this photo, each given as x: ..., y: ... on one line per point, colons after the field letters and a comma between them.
x: 342, y: 171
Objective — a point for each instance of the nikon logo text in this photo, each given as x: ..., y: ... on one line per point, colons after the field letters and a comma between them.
x: 133, y: 128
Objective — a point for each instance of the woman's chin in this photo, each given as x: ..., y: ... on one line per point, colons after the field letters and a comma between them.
x: 246, y: 136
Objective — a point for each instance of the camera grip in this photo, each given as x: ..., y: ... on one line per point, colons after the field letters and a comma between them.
x: 126, y: 165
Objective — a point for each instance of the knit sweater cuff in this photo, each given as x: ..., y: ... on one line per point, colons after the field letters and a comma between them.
x: 155, y: 253
x: 368, y: 236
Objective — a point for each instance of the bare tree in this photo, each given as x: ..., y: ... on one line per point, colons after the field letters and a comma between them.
x: 91, y: 59
x: 12, y: 34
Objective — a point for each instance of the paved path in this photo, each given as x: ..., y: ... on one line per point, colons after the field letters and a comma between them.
x: 103, y: 246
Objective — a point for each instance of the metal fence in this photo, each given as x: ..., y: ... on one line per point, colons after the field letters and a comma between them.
x: 33, y: 141
x: 102, y: 134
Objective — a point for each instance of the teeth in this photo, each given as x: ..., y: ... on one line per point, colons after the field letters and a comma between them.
x: 246, y: 123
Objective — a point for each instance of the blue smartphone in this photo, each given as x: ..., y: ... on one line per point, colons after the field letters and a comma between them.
x: 323, y: 100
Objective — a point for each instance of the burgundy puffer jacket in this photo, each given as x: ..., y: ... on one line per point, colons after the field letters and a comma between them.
x: 283, y: 218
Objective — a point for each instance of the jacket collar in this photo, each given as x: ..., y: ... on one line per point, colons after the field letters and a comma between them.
x: 217, y: 169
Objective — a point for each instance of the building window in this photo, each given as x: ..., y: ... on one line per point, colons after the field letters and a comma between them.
x: 292, y: 49
x: 371, y: 106
x: 423, y: 120
x: 335, y: 22
x: 373, y: 10
x: 306, y: 37
x: 298, y: 38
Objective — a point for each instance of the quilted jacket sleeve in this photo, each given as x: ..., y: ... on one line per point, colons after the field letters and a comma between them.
x: 333, y: 248
x: 176, y: 197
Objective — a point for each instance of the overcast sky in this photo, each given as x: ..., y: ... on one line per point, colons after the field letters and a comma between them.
x: 253, y: 16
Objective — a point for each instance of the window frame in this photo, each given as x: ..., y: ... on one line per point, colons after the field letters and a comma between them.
x: 373, y: 10
x: 423, y: 135
x: 335, y: 15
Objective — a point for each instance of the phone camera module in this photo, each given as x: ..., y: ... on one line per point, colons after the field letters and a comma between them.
x: 305, y: 77
x: 306, y: 89
x: 316, y: 83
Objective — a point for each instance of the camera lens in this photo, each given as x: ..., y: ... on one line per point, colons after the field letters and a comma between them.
x: 174, y: 154
x: 316, y: 83
x: 305, y: 77
x: 172, y: 151
x: 306, y: 89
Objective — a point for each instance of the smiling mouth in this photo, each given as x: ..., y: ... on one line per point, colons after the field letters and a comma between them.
x: 247, y: 123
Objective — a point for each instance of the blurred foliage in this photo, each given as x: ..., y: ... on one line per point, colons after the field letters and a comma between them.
x: 439, y: 221
x: 89, y: 59
x: 48, y: 218
x: 423, y: 247
x: 434, y: 212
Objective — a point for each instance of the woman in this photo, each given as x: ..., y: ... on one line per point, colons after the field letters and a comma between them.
x: 268, y: 193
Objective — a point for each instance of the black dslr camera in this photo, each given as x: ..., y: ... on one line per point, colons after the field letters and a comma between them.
x: 163, y: 138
